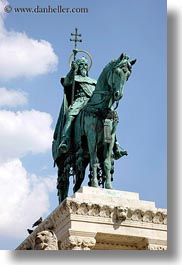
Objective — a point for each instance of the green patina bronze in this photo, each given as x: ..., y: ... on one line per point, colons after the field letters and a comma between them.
x: 85, y: 132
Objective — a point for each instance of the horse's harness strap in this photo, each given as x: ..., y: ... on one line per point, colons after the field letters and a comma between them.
x: 107, y: 93
x: 107, y: 131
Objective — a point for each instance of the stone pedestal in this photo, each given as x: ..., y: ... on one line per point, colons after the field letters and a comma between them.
x: 100, y: 219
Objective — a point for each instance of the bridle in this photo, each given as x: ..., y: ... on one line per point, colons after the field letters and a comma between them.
x: 107, y: 93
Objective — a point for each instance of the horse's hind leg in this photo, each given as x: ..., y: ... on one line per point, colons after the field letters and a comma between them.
x: 94, y: 181
x: 62, y: 185
x: 107, y: 169
x: 81, y: 165
x: 90, y: 128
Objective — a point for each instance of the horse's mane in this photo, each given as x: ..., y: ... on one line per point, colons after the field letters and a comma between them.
x: 107, y: 69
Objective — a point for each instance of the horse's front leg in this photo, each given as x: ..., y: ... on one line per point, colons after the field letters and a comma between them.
x: 107, y: 165
x: 108, y: 149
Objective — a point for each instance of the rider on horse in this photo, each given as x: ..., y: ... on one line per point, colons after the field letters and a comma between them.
x: 84, y: 87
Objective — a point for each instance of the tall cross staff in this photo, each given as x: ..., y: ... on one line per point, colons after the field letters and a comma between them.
x: 75, y: 50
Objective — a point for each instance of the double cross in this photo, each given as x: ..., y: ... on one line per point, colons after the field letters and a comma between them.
x: 75, y: 50
x: 75, y: 40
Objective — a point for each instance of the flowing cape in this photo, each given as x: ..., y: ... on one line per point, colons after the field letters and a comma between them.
x: 85, y: 83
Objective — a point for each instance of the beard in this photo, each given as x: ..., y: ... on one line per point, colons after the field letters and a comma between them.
x: 83, y: 72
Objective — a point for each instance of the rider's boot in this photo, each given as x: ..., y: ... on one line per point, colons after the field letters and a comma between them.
x: 118, y: 151
x: 66, y: 135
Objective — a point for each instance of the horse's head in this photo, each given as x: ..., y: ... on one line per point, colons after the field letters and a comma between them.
x: 119, y: 73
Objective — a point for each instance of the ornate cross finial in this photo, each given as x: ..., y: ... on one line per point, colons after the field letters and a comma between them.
x: 76, y: 37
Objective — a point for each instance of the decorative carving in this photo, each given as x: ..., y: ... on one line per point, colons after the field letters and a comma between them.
x: 105, y: 211
x: 119, y: 246
x: 129, y: 214
x: 158, y: 218
x: 137, y: 215
x: 119, y: 214
x: 73, y: 207
x: 78, y: 243
x: 46, y: 240
x: 156, y: 247
x: 72, y: 242
x: 83, y: 209
x: 148, y: 216
x: 94, y: 210
x: 88, y: 243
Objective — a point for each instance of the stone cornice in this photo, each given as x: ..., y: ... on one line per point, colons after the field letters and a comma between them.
x: 116, y: 213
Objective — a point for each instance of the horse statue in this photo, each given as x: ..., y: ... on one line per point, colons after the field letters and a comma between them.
x: 94, y: 132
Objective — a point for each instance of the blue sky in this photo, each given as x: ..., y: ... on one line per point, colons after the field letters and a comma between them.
x: 34, y: 51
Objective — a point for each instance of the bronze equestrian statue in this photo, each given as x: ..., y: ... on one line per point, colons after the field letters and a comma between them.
x: 85, y: 132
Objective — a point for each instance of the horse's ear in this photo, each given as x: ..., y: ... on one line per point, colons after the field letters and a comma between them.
x: 121, y: 57
x: 133, y: 62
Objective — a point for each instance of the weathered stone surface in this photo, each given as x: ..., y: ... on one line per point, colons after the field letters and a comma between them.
x: 45, y: 240
x: 95, y: 218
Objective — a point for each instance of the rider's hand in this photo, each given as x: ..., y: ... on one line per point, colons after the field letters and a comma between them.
x: 74, y: 66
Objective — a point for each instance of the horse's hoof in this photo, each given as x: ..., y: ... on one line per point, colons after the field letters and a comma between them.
x: 94, y: 184
x: 108, y: 186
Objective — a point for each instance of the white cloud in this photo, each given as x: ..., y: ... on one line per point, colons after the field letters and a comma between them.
x: 12, y: 98
x: 3, y: 3
x: 22, y: 56
x: 23, y: 198
x: 24, y: 132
